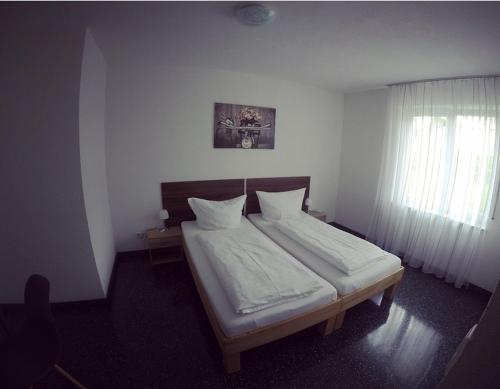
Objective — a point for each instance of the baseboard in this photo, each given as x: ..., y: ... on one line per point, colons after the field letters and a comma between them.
x: 124, y: 255
x: 60, y: 307
x: 18, y: 308
x: 483, y: 294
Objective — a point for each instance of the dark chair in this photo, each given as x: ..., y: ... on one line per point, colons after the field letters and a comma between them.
x: 28, y: 354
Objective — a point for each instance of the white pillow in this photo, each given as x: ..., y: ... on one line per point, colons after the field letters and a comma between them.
x: 280, y: 205
x: 214, y: 215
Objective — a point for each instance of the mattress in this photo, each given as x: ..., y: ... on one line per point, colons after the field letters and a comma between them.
x: 344, y: 283
x: 232, y: 323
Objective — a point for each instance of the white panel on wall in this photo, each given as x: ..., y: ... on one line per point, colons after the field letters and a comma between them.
x: 160, y: 128
x: 361, y: 156
x: 44, y: 228
x: 93, y: 157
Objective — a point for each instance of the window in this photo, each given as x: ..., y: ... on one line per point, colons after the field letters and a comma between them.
x: 439, y: 178
x: 450, y: 166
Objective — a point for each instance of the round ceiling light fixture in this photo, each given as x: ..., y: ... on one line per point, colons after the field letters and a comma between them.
x: 255, y: 14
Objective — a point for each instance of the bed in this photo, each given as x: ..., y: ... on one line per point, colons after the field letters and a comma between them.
x: 237, y: 332
x: 382, y: 276
x: 345, y: 284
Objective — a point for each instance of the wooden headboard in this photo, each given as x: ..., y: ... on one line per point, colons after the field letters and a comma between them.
x: 174, y: 196
x: 276, y: 184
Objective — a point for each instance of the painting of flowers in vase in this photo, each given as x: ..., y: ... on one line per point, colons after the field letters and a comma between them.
x: 243, y: 126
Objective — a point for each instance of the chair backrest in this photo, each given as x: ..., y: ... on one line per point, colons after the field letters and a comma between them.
x: 30, y: 351
x: 36, y: 298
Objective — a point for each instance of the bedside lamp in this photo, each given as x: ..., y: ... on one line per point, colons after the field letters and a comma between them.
x: 308, y: 203
x: 163, y: 216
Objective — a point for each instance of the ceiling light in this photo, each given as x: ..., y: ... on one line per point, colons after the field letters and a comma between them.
x: 255, y: 14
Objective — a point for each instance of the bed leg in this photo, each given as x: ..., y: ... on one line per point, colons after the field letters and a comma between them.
x: 339, y: 320
x: 231, y: 362
x: 325, y: 328
x: 390, y: 292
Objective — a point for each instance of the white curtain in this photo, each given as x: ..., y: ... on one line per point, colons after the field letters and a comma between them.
x: 438, y: 183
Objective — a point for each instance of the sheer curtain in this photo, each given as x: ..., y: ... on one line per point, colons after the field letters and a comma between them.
x: 438, y: 184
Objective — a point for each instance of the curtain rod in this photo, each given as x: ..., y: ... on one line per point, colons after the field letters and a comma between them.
x: 444, y: 79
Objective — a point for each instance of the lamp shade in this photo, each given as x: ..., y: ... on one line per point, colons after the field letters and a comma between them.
x: 308, y: 202
x: 164, y: 214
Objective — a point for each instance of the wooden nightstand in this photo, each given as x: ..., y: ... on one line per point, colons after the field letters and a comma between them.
x: 166, y: 246
x: 318, y: 215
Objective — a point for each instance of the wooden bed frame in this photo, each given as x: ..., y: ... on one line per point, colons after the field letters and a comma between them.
x: 232, y: 346
x: 388, y: 284
x: 327, y: 317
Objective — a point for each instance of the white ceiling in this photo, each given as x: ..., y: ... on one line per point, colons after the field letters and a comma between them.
x: 345, y: 46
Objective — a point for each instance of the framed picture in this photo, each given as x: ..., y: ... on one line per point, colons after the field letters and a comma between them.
x: 243, y: 126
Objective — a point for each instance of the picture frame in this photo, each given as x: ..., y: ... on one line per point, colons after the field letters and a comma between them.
x: 244, y: 126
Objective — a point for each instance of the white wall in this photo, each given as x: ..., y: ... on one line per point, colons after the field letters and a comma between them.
x: 93, y: 157
x: 159, y: 128
x: 361, y: 156
x: 362, y: 148
x: 43, y: 225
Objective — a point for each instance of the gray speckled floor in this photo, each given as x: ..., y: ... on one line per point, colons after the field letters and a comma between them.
x: 156, y: 335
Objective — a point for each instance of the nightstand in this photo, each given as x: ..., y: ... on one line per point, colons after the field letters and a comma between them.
x: 318, y: 215
x: 166, y: 246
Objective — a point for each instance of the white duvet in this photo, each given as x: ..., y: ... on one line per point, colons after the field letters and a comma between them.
x: 345, y: 251
x: 255, y: 273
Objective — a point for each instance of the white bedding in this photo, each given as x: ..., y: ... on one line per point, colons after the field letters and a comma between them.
x: 231, y: 322
x: 254, y: 272
x: 344, y: 283
x: 343, y: 250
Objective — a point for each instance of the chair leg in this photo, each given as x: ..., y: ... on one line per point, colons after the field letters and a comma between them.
x: 69, y: 377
